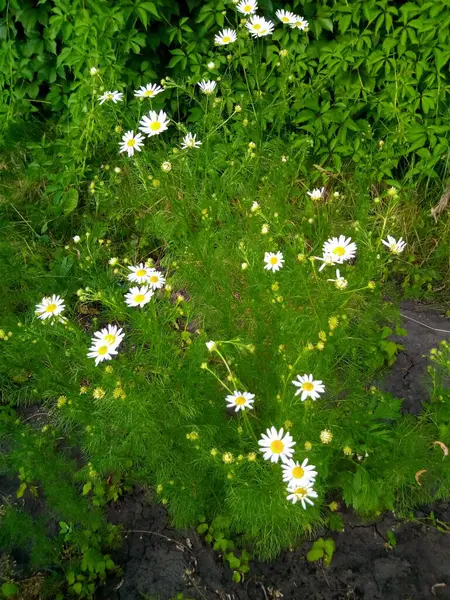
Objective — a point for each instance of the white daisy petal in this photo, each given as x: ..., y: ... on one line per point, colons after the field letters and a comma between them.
x: 240, y: 400
x: 276, y: 446
x: 138, y: 296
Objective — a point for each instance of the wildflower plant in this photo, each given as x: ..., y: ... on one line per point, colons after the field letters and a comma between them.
x: 234, y: 391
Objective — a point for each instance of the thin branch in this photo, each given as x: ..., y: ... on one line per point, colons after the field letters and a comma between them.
x: 424, y: 324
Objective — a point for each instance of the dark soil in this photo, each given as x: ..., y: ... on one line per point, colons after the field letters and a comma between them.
x: 159, y: 562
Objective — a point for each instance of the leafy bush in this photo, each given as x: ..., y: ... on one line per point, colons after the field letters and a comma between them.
x: 372, y: 70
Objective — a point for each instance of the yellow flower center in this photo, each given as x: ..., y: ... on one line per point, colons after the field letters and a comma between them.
x: 226, y: 39
x: 109, y: 96
x: 51, y: 308
x: 285, y: 19
x: 339, y: 250
x: 298, y: 472
x: 148, y: 93
x: 302, y: 492
x: 155, y: 126
x: 298, y: 23
x: 273, y: 260
x: 307, y: 386
x: 110, y: 338
x: 277, y: 446
x: 256, y: 26
x: 102, y: 350
x: 240, y: 401
x: 139, y: 298
x: 141, y: 272
x: 247, y: 8
x: 154, y: 278
x: 131, y: 143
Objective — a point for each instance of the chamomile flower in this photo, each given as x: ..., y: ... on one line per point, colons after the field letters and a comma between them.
x: 148, y: 91
x: 240, y: 400
x: 207, y: 86
x: 327, y: 260
x: 342, y: 248
x: 112, y: 336
x: 156, y: 280
x: 276, y: 444
x: 155, y: 123
x: 50, y: 306
x: 166, y: 166
x: 308, y: 387
x: 274, y: 261
x: 302, y: 494
x: 139, y: 273
x: 111, y: 97
x: 211, y: 346
x: 340, y: 282
x: 131, y: 142
x: 286, y: 17
x: 247, y: 7
x: 326, y: 436
x: 395, y: 246
x: 190, y: 141
x: 225, y: 37
x: 317, y: 193
x: 259, y: 27
x: 298, y: 474
x: 300, y: 23
x: 101, y: 352
x: 76, y: 239
x: 138, y: 296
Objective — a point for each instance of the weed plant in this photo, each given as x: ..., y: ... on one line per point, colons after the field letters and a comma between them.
x: 201, y: 213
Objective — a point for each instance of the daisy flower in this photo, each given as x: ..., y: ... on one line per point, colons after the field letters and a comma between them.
x: 111, y: 97
x: 166, y: 166
x: 155, y: 123
x: 298, y: 474
x: 327, y: 260
x: 148, y: 91
x: 300, y: 23
x: 286, y: 17
x: 326, y: 436
x: 138, y: 296
x: 274, y: 261
x: 340, y: 282
x: 276, y: 444
x: 240, y: 400
x: 316, y: 194
x: 259, y: 27
x: 101, y: 352
x: 395, y: 246
x: 139, y: 274
x: 207, y: 86
x: 110, y: 336
x: 50, y: 306
x: 156, y: 280
x: 308, y: 387
x: 247, y: 7
x: 211, y: 346
x: 190, y: 141
x: 341, y: 248
x: 301, y: 494
x: 131, y: 142
x: 226, y: 36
